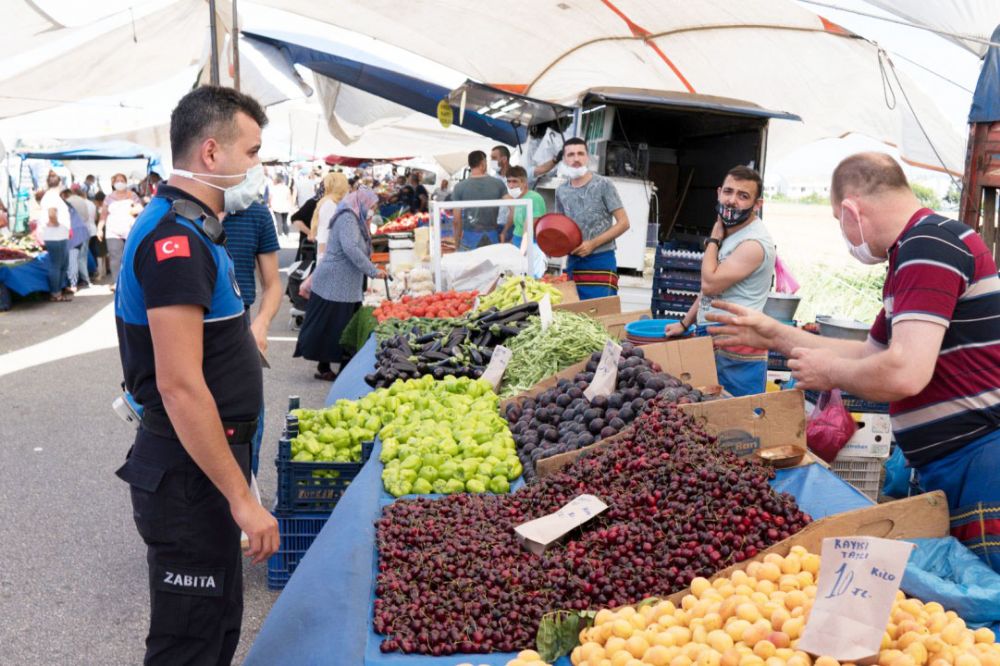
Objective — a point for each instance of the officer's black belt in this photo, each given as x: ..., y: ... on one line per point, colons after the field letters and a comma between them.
x: 237, y: 432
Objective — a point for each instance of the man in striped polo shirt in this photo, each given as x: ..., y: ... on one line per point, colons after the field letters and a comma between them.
x: 934, y: 351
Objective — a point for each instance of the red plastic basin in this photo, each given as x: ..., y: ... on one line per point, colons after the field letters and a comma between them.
x: 557, y: 234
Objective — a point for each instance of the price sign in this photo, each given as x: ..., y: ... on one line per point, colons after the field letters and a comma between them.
x: 545, y: 311
x: 858, y: 581
x: 498, y: 364
x: 606, y: 374
x: 540, y: 533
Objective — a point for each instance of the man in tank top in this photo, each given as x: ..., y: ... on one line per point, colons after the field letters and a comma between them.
x: 738, y: 267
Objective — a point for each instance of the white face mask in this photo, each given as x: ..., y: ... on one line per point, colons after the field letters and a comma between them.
x: 119, y: 186
x: 862, y: 252
x: 493, y: 166
x: 515, y: 192
x: 240, y: 195
x: 572, y: 173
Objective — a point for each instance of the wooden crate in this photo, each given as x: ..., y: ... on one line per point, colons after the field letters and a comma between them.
x: 923, y: 516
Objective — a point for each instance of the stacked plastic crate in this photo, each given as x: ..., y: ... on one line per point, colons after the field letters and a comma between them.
x: 307, y: 494
x: 676, y: 281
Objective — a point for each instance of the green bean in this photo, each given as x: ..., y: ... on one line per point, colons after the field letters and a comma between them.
x: 536, y: 354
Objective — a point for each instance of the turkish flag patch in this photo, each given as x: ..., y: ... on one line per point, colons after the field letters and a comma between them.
x: 172, y: 247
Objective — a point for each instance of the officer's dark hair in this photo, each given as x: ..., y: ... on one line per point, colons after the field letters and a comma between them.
x: 476, y: 158
x: 575, y: 141
x: 208, y: 111
x: 503, y: 150
x: 741, y: 172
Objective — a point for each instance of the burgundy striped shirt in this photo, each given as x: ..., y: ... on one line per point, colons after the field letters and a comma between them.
x: 941, y: 271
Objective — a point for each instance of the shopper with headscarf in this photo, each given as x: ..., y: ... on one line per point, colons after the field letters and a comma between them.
x: 336, y: 287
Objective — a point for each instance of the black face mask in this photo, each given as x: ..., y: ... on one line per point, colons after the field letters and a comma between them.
x: 732, y: 216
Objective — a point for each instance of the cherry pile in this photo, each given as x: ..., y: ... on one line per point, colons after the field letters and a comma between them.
x: 453, y: 577
x: 561, y: 419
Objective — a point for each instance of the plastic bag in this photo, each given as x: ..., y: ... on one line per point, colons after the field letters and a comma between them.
x: 945, y: 571
x: 830, y: 426
x: 897, y: 475
x: 784, y: 281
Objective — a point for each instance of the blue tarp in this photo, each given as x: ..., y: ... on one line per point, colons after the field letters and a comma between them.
x: 324, y: 614
x: 99, y: 150
x: 340, y: 62
x: 986, y: 101
x: 27, y: 278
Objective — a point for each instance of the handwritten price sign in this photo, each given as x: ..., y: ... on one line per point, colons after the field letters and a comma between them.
x: 858, y: 581
x: 606, y: 375
x: 498, y: 365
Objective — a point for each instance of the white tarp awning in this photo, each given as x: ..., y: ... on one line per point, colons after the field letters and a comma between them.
x: 975, y: 18
x: 131, y: 49
x: 770, y: 52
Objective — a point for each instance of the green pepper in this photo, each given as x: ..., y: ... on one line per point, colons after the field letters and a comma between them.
x: 499, y: 484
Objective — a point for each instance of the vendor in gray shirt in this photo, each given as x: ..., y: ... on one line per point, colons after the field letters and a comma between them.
x: 477, y: 227
x: 592, y: 202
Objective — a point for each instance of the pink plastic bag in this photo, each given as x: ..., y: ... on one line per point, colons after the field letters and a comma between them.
x: 784, y: 281
x: 830, y: 426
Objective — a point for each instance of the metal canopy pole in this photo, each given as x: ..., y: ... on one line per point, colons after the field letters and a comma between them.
x: 214, y: 66
x: 235, y: 36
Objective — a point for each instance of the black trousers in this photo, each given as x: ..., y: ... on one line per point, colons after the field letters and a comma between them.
x: 282, y: 220
x: 193, y: 552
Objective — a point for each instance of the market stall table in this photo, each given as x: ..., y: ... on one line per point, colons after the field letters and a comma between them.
x: 26, y: 277
x: 324, y: 615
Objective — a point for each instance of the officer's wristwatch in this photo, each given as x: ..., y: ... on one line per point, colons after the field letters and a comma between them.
x: 709, y: 241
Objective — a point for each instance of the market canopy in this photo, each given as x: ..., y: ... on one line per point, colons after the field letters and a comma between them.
x: 975, y: 19
x: 341, y: 160
x: 104, y: 150
x: 45, y: 63
x: 772, y: 53
x: 360, y: 69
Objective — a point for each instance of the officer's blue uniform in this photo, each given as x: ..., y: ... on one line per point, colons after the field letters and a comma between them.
x: 195, y: 568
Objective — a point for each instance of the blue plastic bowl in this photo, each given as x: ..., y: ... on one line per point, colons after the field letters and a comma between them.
x: 649, y: 328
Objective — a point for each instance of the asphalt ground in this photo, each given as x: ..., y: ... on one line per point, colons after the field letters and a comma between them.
x: 73, y: 578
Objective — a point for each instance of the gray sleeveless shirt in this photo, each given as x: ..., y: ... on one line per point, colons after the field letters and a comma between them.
x: 752, y: 290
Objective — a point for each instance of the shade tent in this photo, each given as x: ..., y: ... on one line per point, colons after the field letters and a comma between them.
x: 354, y: 67
x: 106, y: 150
x: 147, y: 43
x: 975, y: 18
x: 769, y: 52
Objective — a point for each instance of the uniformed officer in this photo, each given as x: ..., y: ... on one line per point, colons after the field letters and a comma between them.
x: 190, y: 360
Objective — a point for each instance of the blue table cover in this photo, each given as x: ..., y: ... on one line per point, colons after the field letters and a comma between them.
x: 324, y: 614
x: 29, y: 277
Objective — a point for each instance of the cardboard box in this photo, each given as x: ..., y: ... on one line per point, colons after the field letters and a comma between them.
x: 594, y: 307
x: 923, y: 516
x: 872, y: 439
x: 568, y: 291
x: 754, y: 422
x: 615, y: 323
x: 691, y: 360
